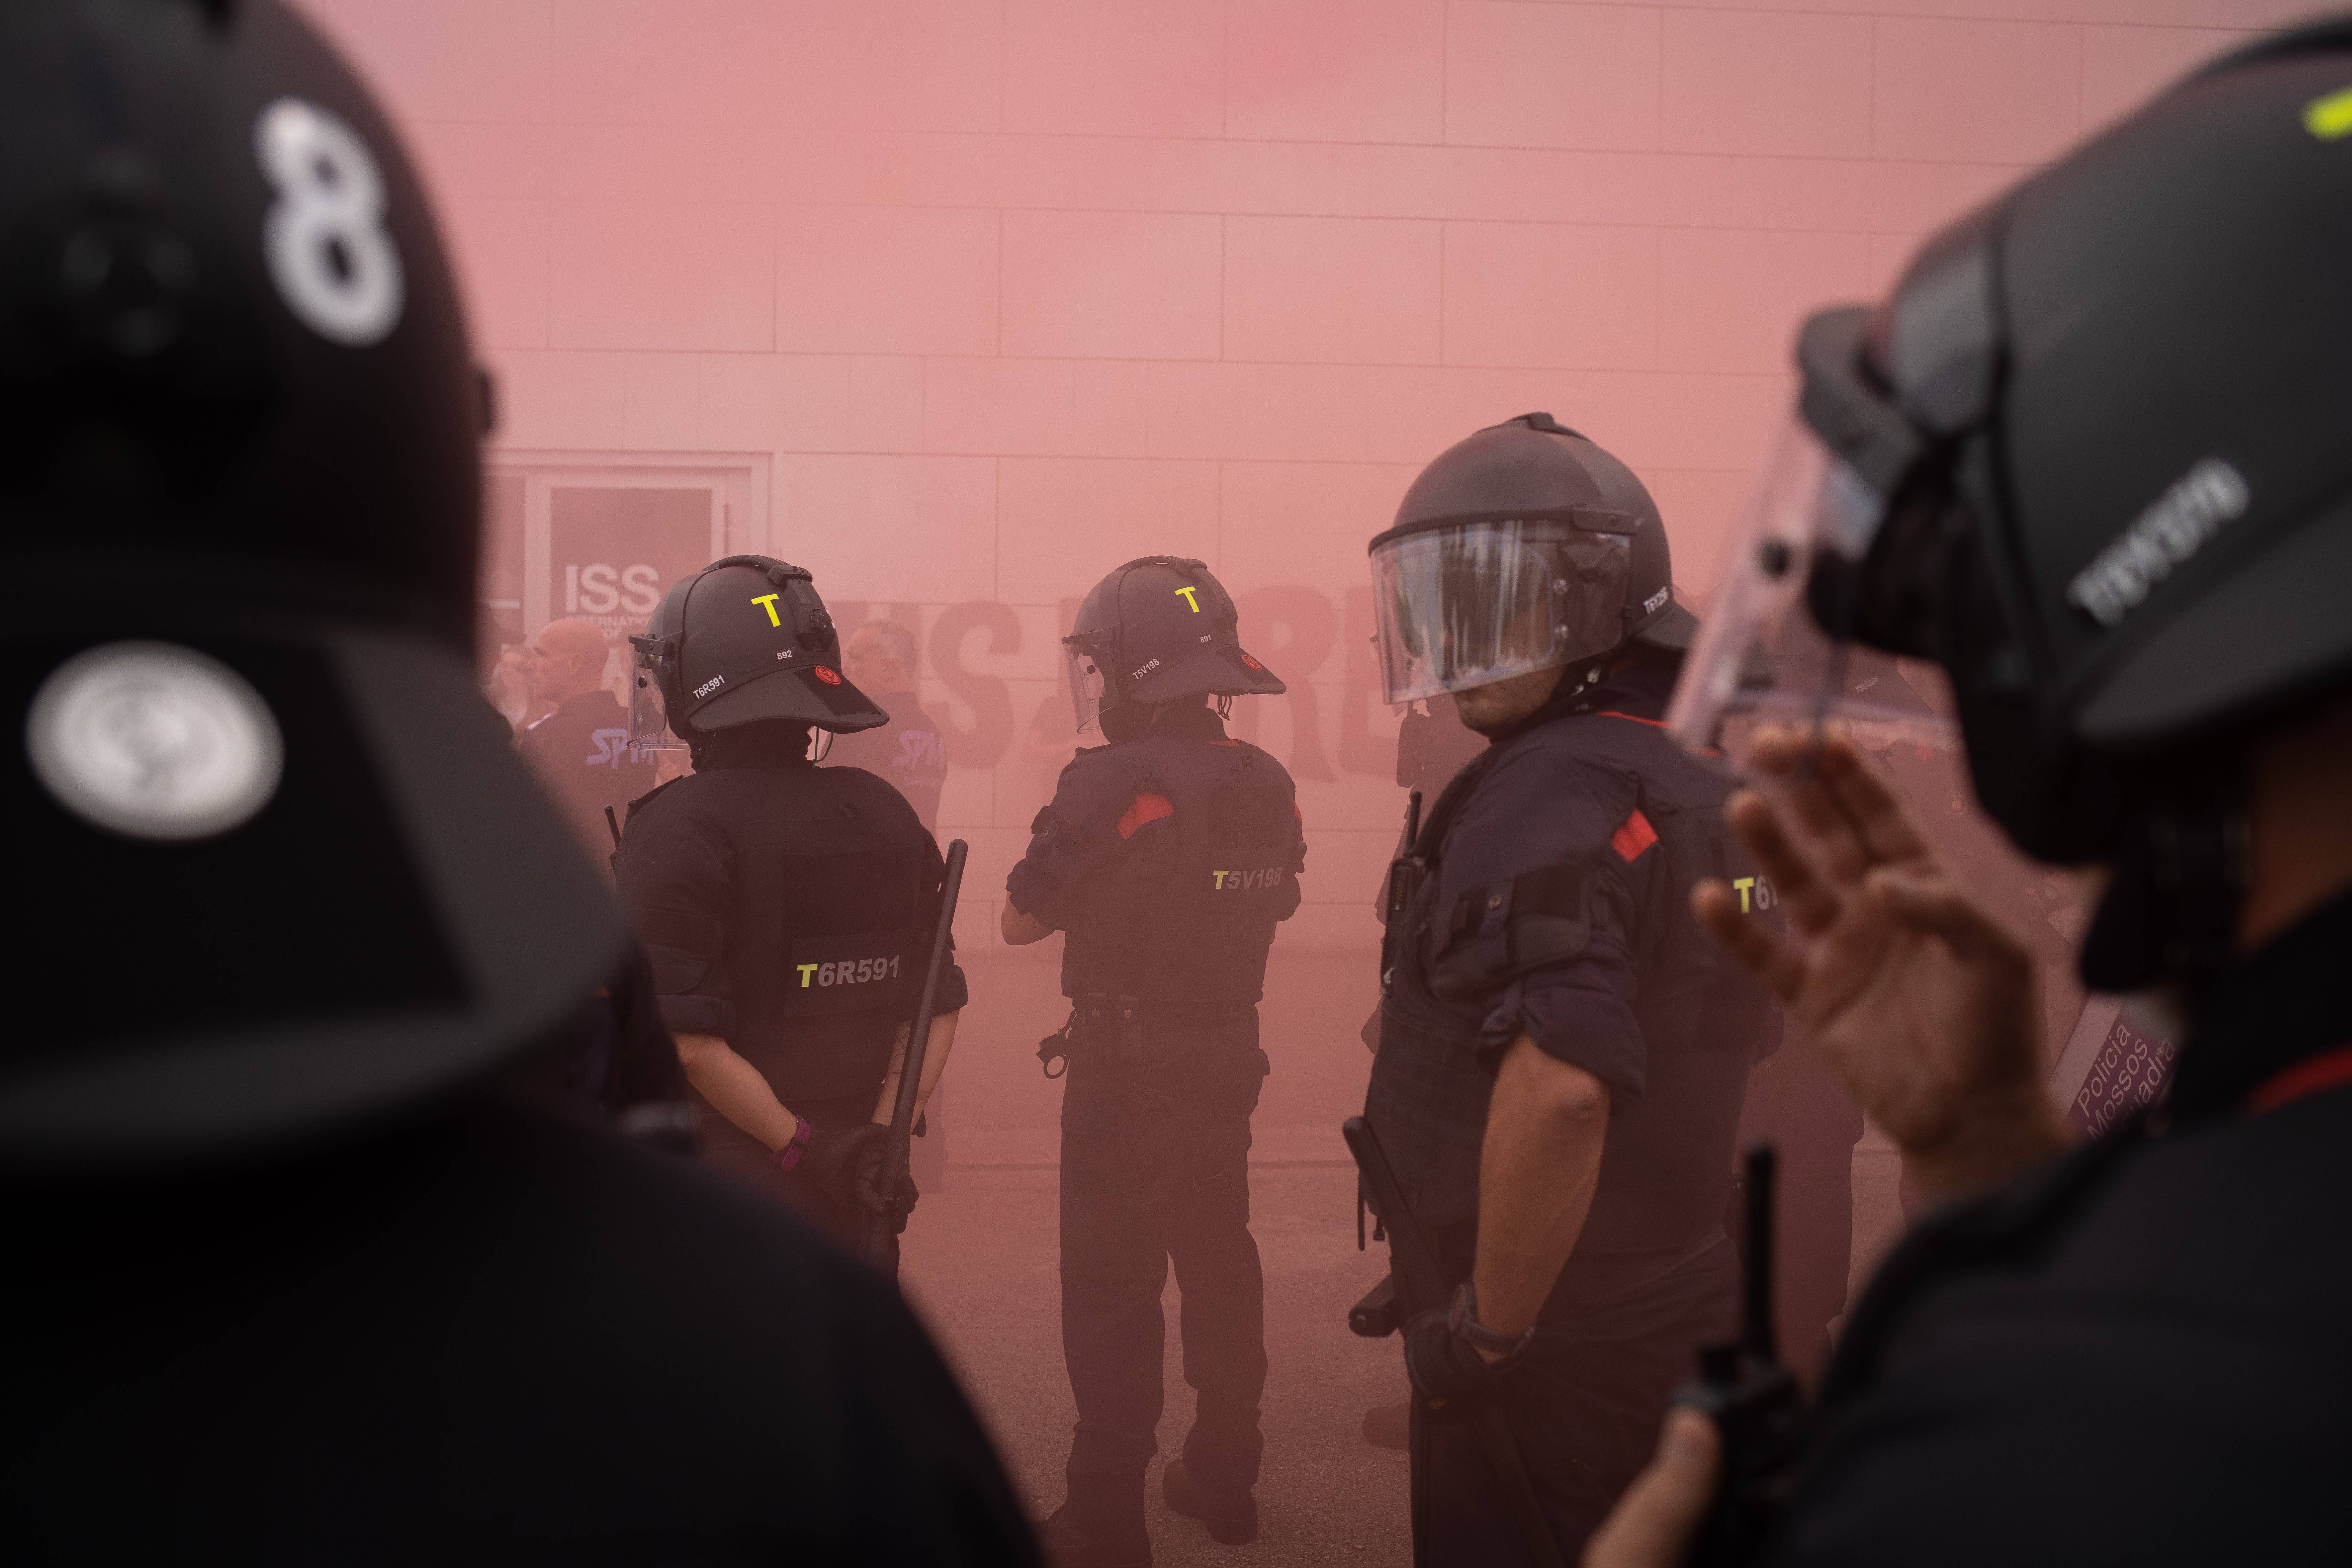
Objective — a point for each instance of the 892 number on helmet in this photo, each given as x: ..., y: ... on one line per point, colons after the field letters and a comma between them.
x: 328, y: 253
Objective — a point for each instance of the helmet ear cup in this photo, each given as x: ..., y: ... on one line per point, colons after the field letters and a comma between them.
x: 2051, y: 799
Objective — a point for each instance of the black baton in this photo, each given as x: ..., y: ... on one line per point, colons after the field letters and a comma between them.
x: 881, y: 1235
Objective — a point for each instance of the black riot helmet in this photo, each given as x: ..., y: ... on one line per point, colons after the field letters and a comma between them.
x: 1523, y: 547
x: 277, y: 866
x: 742, y: 640
x: 1161, y: 629
x: 2090, y: 457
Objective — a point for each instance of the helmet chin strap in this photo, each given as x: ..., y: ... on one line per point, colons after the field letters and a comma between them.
x: 1123, y: 721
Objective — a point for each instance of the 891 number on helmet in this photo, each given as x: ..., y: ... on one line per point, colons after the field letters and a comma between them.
x: 334, y: 264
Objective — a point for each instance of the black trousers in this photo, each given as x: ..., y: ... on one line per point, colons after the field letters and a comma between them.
x: 1585, y: 1407
x: 1155, y: 1170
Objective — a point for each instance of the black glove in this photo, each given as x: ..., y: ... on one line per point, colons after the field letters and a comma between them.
x: 872, y: 1195
x: 833, y: 1161
x: 1445, y: 1368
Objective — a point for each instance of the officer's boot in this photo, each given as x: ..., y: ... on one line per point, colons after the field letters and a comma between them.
x: 1230, y: 1516
x: 1100, y: 1526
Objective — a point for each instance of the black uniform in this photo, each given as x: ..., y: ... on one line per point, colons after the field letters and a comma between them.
x: 485, y: 1337
x: 1168, y: 861
x: 581, y: 754
x: 784, y: 907
x: 1557, y: 905
x: 2139, y: 1348
x: 909, y: 751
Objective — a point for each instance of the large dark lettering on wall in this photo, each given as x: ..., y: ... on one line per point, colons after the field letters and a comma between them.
x: 990, y: 735
x: 1293, y: 628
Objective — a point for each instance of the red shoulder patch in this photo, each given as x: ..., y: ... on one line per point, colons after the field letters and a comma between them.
x: 1148, y: 806
x: 2313, y: 1074
x: 1633, y: 836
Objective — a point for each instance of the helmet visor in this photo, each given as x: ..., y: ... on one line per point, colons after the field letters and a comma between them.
x: 1761, y: 658
x: 1084, y: 669
x: 649, y: 728
x: 1475, y: 603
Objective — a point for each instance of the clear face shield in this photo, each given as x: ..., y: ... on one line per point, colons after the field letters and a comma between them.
x: 649, y: 729
x: 1081, y: 665
x: 1760, y: 657
x: 1471, y: 604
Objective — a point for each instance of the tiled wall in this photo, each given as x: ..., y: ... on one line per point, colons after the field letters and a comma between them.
x: 1008, y: 290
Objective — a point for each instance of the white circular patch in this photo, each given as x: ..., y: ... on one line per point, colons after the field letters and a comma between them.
x: 155, y: 740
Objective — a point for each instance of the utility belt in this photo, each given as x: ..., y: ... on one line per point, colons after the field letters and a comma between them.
x: 1110, y: 1029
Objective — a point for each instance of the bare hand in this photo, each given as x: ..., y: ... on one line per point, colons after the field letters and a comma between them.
x: 1919, y: 1000
x: 1652, y: 1523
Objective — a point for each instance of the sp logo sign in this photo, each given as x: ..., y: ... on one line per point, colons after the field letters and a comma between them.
x: 612, y: 748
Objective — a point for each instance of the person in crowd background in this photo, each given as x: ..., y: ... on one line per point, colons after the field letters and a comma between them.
x: 909, y: 752
x: 579, y: 748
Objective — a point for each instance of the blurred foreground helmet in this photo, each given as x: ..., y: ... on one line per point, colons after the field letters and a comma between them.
x: 1524, y: 547
x: 276, y: 864
x: 1159, y: 630
x: 2091, y: 457
x: 742, y: 640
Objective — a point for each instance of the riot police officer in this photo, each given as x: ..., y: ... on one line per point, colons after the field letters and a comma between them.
x: 1562, y: 1052
x: 311, y: 1281
x: 786, y: 907
x: 2088, y: 457
x: 1168, y: 857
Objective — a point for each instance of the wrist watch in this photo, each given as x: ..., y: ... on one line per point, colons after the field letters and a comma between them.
x: 789, y: 1154
x: 1461, y: 1319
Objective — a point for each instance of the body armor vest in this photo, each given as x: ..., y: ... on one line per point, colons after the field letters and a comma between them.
x: 1190, y: 932
x: 824, y: 944
x: 1666, y: 1170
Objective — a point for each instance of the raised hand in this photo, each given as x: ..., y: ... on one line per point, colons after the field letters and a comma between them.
x: 1920, y: 1001
x: 1655, y: 1522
